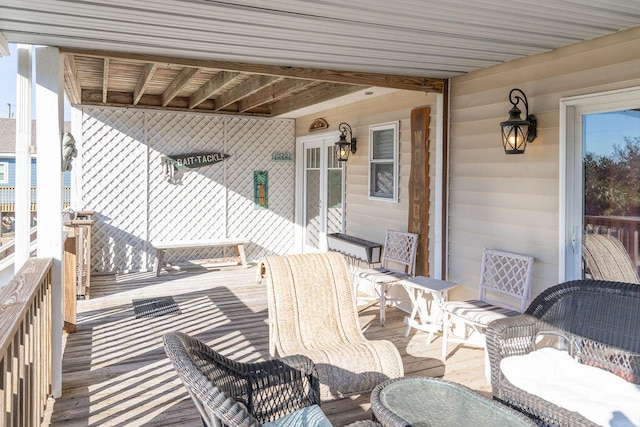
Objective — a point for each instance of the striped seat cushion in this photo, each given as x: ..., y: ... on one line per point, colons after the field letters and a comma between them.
x: 380, y: 275
x: 476, y: 311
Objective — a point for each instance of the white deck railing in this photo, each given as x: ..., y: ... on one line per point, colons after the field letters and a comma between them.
x: 25, y: 344
x: 8, y: 198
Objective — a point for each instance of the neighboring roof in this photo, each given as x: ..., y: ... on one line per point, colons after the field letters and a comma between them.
x: 271, y: 58
x: 8, y: 134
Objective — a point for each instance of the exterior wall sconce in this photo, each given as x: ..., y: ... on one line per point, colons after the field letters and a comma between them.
x: 343, y: 147
x: 515, y: 131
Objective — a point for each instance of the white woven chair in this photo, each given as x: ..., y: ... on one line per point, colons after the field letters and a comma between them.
x: 504, y: 290
x: 312, y: 312
x: 398, y: 262
x: 605, y: 258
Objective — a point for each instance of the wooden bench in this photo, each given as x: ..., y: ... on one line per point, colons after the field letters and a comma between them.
x: 163, y: 246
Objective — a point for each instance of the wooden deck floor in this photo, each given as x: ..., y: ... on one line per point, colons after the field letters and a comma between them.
x: 115, y: 371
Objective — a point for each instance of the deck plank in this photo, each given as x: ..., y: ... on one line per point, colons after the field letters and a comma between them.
x: 115, y: 371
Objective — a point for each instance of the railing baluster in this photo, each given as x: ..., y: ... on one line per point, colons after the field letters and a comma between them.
x: 25, y: 345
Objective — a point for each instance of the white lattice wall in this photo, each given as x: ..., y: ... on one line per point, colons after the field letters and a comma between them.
x: 122, y: 181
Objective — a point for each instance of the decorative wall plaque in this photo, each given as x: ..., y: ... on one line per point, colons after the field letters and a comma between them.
x: 318, y: 124
x: 171, y: 164
x: 419, y: 186
x: 282, y: 156
x: 260, y: 189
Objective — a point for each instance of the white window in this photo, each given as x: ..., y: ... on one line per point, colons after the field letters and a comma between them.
x: 383, y: 161
x: 4, y: 173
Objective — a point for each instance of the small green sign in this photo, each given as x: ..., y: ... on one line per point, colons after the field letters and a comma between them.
x: 261, y: 190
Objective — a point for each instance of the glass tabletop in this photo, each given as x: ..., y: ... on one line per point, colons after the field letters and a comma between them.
x: 423, y: 402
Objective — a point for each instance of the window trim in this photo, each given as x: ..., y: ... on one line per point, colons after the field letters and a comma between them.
x: 395, y: 125
x: 6, y: 173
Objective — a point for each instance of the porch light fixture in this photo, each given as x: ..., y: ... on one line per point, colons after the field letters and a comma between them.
x: 343, y: 147
x: 515, y: 131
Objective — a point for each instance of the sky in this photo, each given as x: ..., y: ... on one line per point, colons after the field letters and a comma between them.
x: 604, y: 130
x: 8, y: 67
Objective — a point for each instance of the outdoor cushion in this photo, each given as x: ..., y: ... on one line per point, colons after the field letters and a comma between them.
x: 479, y: 312
x: 311, y: 416
x: 596, y: 394
x: 381, y: 275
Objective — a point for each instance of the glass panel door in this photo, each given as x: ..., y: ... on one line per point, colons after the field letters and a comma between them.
x: 323, y: 194
x: 334, y: 191
x: 313, y: 212
x: 599, y: 174
x: 611, y: 165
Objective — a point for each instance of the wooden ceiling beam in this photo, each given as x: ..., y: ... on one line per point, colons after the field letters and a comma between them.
x: 71, y: 80
x: 321, y: 93
x: 105, y: 79
x: 148, y: 101
x: 425, y: 84
x: 211, y: 87
x: 272, y: 93
x: 143, y: 81
x: 181, y: 80
x: 244, y: 89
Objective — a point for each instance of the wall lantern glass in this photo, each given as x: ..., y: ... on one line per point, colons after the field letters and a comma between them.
x: 516, y: 133
x: 343, y: 147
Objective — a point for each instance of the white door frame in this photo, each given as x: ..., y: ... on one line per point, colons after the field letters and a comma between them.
x: 571, y: 175
x: 300, y: 190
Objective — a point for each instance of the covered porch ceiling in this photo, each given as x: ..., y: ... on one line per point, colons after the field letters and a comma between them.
x: 280, y: 58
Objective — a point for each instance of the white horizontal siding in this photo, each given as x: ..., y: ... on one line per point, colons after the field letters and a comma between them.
x: 511, y: 202
x: 366, y: 218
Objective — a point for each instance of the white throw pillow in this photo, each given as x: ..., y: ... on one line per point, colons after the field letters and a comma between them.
x: 596, y: 394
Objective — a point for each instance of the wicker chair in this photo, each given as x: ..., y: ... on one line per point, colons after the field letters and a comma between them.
x: 246, y: 394
x: 312, y: 312
x: 398, y: 262
x: 605, y: 258
x: 596, y: 320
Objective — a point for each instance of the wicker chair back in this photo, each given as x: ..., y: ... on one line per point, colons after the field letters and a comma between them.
x: 312, y: 311
x: 237, y: 394
x: 605, y: 258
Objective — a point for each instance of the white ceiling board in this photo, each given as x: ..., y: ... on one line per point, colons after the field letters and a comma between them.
x: 430, y: 38
x: 364, y: 94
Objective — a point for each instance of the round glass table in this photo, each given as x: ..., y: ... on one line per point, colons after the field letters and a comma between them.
x: 422, y: 402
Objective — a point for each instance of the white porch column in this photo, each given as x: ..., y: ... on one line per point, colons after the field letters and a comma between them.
x: 77, y: 202
x: 23, y: 157
x: 49, y: 126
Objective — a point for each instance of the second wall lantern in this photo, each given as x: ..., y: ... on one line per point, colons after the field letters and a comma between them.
x: 343, y: 147
x: 516, y: 132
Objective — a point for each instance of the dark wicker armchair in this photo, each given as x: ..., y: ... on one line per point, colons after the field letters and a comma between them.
x: 241, y: 394
x: 596, y: 320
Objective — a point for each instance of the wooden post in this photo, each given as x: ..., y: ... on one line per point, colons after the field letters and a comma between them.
x: 49, y: 122
x: 70, y: 255
x: 419, y: 186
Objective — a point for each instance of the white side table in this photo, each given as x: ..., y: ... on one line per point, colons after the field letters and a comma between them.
x: 429, y: 317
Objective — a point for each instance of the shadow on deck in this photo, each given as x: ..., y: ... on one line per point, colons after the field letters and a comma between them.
x: 115, y: 371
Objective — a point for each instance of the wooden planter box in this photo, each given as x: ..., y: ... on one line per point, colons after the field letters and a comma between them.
x: 355, y: 247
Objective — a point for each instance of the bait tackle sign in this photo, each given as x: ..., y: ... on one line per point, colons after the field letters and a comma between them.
x: 194, y: 160
x: 172, y: 164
